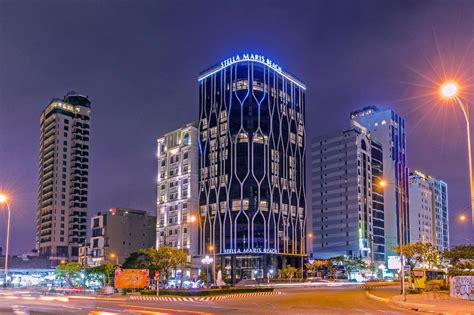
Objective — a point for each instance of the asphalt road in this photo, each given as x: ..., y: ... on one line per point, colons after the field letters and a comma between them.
x: 320, y: 300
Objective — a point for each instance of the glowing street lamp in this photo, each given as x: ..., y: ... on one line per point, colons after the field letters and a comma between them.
x: 192, y: 219
x: 113, y: 255
x: 450, y: 90
x: 4, y: 200
x: 462, y: 218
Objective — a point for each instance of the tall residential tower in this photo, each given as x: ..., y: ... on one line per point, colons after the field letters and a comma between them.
x: 347, y: 202
x: 252, y: 196
x: 63, y: 177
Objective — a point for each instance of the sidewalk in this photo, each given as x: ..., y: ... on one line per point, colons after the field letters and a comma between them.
x: 436, y: 302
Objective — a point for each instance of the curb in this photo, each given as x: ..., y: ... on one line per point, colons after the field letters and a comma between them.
x: 407, y: 305
x: 367, y: 287
x: 198, y: 299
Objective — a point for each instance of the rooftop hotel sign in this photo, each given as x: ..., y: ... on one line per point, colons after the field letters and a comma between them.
x: 250, y: 57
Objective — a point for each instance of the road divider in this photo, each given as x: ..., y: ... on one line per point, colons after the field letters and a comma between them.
x: 199, y: 298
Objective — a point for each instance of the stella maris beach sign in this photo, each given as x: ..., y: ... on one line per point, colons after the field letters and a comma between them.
x: 251, y: 251
x: 250, y: 57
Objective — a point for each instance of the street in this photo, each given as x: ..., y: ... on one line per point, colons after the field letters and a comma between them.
x: 314, y: 300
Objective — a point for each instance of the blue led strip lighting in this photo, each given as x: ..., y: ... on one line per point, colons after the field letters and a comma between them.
x: 225, y: 65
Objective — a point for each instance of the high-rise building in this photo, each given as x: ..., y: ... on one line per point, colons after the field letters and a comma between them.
x: 177, y: 201
x: 428, y: 210
x: 388, y: 129
x: 347, y: 202
x: 117, y: 233
x: 252, y: 167
x: 63, y: 177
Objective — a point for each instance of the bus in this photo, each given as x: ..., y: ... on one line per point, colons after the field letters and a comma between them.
x: 429, y: 279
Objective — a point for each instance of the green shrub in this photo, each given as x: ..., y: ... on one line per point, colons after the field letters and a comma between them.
x: 205, y: 292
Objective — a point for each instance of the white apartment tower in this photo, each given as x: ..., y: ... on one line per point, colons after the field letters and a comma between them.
x: 428, y: 210
x: 63, y: 177
x: 177, y: 202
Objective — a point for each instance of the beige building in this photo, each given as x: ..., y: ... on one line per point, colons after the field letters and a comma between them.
x: 429, y: 215
x: 63, y: 177
x: 177, y: 201
x: 116, y: 234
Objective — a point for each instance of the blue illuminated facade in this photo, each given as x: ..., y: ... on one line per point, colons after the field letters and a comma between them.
x: 252, y: 194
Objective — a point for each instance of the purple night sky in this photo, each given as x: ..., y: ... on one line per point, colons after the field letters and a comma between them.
x: 139, y: 61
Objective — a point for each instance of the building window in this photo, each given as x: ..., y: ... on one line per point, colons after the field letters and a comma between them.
x: 186, y: 139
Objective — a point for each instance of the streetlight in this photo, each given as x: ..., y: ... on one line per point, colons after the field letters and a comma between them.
x: 207, y: 261
x: 4, y: 199
x: 308, y: 236
x: 116, y: 258
x: 462, y: 218
x: 449, y: 90
x: 383, y: 183
x: 212, y: 249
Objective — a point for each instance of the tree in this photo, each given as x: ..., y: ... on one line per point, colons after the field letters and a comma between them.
x: 164, y: 259
x: 420, y: 253
x: 460, y: 259
x: 288, y: 272
x: 105, y: 271
x: 353, y: 264
x: 135, y: 261
x: 69, y: 272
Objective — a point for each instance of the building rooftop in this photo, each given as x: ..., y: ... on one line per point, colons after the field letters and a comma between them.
x: 249, y: 57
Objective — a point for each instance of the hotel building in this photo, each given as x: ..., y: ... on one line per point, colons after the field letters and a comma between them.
x: 63, y: 177
x: 252, y: 197
x: 347, y: 202
x: 429, y: 210
x: 388, y: 129
x: 177, y: 202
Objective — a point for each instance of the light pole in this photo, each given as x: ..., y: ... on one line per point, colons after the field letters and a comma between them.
x: 4, y: 199
x: 304, y: 252
x: 213, y: 250
x: 449, y: 90
x: 384, y: 184
x: 207, y: 261
x: 192, y: 219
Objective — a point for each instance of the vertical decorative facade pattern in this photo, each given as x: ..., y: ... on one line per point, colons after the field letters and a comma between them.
x: 252, y: 137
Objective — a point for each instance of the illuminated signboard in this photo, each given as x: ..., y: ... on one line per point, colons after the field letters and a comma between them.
x: 66, y: 106
x: 394, y: 262
x: 251, y: 57
x: 250, y: 250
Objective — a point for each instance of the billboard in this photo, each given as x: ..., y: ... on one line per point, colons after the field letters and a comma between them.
x: 131, y: 278
x: 394, y: 262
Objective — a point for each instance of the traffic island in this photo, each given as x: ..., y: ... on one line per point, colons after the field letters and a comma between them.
x: 203, y: 295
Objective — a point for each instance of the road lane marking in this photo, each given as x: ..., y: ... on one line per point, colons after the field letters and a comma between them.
x: 164, y: 309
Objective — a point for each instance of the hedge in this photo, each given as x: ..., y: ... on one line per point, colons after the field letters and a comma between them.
x: 205, y: 292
